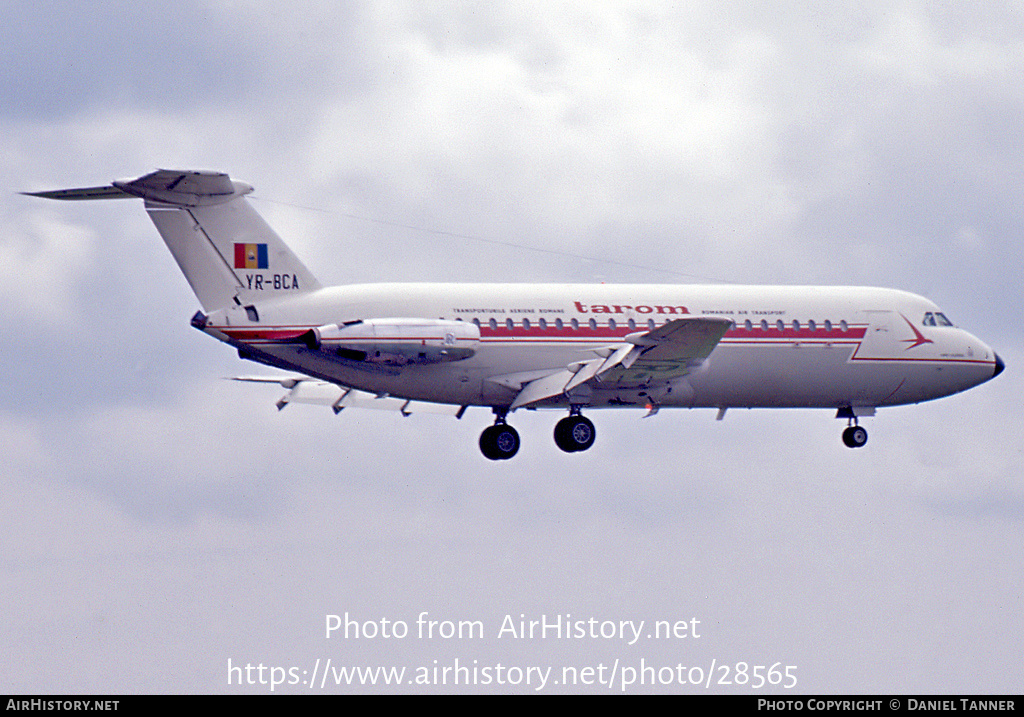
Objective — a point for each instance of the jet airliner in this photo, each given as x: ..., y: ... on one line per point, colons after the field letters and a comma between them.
x: 442, y: 348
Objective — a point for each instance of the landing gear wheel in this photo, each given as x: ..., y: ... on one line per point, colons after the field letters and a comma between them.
x: 855, y: 436
x: 499, y: 442
x: 574, y: 433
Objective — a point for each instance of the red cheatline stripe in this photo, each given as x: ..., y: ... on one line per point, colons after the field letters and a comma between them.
x: 583, y: 333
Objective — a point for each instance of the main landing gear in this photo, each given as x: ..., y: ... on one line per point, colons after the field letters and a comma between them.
x: 572, y: 434
x: 500, y: 441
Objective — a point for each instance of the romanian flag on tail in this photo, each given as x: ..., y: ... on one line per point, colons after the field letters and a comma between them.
x: 251, y: 256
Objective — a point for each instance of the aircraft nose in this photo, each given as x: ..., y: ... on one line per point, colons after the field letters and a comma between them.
x: 999, y: 366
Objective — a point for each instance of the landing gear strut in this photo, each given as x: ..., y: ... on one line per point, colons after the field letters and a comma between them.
x: 854, y: 436
x: 574, y: 432
x: 500, y: 441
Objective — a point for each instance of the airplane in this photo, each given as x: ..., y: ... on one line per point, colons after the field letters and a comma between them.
x: 434, y: 347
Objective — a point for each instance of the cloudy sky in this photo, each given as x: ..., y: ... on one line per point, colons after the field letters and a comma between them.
x: 161, y: 525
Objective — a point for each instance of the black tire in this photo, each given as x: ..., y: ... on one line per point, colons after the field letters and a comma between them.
x: 574, y: 433
x: 855, y: 437
x: 499, y: 442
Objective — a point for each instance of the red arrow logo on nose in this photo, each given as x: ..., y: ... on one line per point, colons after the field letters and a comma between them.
x: 918, y: 336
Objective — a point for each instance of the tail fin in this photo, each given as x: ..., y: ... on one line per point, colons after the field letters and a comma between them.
x: 226, y: 251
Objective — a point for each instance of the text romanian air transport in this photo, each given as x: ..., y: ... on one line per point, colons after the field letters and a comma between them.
x: 444, y: 347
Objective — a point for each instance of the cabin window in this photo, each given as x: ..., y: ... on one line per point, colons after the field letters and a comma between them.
x: 558, y: 324
x: 632, y: 325
x: 611, y: 324
x: 526, y: 324
x: 251, y: 312
x: 510, y: 324
x: 812, y: 325
x: 748, y: 325
x: 543, y: 324
x: 780, y: 325
x: 593, y: 324
x: 764, y: 324
x: 575, y: 324
x: 796, y: 325
x: 843, y: 326
x: 828, y: 325
x: 650, y: 324
x: 493, y: 323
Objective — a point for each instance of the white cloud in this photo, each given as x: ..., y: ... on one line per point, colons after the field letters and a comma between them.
x: 42, y: 262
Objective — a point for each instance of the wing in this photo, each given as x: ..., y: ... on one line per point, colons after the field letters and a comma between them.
x: 646, y: 357
x: 303, y: 389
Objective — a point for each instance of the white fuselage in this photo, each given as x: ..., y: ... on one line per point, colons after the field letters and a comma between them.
x: 789, y: 346
x: 511, y: 346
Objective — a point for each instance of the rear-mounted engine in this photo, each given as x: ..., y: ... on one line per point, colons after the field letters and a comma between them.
x: 396, y: 342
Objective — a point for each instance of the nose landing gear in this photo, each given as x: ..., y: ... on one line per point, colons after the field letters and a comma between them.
x: 855, y: 436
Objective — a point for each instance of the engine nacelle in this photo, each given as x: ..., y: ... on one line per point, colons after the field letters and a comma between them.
x: 397, y: 342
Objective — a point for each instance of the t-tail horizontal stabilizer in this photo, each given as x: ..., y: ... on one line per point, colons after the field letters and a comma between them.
x: 229, y: 255
x: 176, y: 188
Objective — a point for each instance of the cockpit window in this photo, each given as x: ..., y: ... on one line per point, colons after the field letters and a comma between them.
x: 936, y: 318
